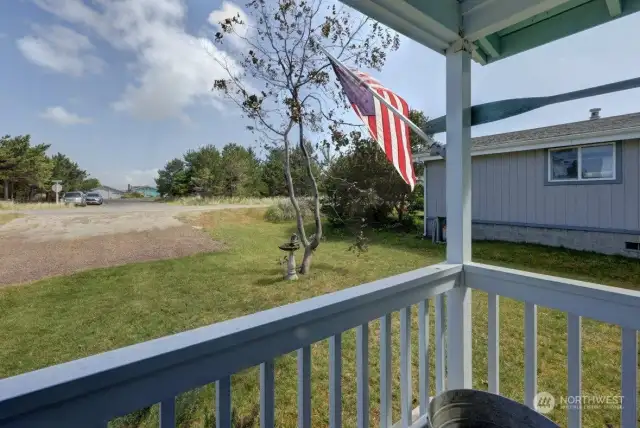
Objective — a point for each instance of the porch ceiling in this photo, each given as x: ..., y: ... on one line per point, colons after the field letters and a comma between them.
x: 496, y: 28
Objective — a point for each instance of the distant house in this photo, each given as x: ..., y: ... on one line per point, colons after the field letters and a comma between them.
x: 575, y: 185
x: 108, y: 192
x: 147, y: 191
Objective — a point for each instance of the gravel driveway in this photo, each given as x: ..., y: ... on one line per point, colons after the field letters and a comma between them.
x: 44, y: 244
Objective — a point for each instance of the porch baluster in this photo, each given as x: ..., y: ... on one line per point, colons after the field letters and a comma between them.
x: 385, y: 372
x: 223, y: 403
x: 304, y: 387
x: 405, y: 367
x: 362, y: 366
x: 494, y: 343
x: 168, y: 413
x: 629, y: 378
x: 530, y: 353
x: 574, y: 366
x: 335, y: 381
x: 423, y: 354
x: 440, y: 344
x: 267, y: 395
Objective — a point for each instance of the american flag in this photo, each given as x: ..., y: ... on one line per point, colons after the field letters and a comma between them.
x: 391, y: 133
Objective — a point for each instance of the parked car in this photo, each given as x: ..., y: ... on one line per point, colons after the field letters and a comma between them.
x: 75, y: 198
x: 94, y: 198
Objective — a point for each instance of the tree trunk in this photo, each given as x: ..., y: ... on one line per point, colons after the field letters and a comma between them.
x: 305, y: 266
x: 311, y: 247
x: 6, y: 190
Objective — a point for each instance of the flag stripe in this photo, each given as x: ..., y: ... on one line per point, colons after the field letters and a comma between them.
x: 406, y: 135
x: 393, y: 131
x: 401, y: 135
x: 384, y: 125
x: 407, y: 147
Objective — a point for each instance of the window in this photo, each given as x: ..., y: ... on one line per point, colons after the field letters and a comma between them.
x: 583, y: 163
x: 634, y: 246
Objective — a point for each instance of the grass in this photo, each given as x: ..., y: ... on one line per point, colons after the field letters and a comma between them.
x: 94, y: 311
x: 16, y: 206
x: 7, y: 217
x: 224, y: 200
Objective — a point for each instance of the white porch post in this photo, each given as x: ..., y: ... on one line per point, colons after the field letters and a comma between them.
x: 458, y: 197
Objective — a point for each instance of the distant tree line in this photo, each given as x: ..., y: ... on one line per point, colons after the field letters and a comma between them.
x: 233, y: 171
x: 357, y: 183
x: 26, y: 170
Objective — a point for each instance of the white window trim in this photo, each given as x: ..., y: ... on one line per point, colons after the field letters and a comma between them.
x: 579, y: 179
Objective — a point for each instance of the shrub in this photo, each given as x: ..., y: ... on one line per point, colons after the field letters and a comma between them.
x: 362, y: 186
x: 217, y: 200
x: 283, y: 210
x: 133, y: 195
x: 417, y: 200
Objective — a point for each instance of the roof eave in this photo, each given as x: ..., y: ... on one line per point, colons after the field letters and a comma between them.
x: 404, y: 18
x: 547, y: 143
x: 437, y: 24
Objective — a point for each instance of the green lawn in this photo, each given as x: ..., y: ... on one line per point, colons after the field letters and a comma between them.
x: 7, y: 217
x: 86, y: 313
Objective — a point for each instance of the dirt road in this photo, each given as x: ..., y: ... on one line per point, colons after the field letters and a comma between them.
x: 63, y: 241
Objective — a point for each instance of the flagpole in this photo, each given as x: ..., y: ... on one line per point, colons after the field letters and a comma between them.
x: 380, y: 98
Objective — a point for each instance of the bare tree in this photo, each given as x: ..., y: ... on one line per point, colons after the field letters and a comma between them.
x: 286, y: 86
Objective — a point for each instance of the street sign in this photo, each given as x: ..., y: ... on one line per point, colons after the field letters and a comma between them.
x: 56, y: 188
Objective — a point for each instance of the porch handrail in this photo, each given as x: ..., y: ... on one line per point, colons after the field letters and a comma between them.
x: 603, y: 303
x: 117, y: 382
x: 578, y: 299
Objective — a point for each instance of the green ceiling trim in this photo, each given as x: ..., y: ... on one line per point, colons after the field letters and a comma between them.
x: 479, y: 55
x: 444, y: 12
x: 615, y: 7
x: 572, y: 21
x: 544, y: 15
x: 491, y: 45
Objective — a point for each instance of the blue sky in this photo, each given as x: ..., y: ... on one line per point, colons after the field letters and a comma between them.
x: 122, y: 86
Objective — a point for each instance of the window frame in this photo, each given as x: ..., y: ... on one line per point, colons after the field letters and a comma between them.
x: 617, y: 176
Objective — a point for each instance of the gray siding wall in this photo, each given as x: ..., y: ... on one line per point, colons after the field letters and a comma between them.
x: 108, y: 195
x: 509, y: 188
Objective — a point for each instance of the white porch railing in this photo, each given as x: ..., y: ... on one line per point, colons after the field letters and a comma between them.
x: 579, y: 299
x: 94, y: 390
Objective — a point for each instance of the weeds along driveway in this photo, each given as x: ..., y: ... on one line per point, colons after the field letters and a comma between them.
x: 48, y: 243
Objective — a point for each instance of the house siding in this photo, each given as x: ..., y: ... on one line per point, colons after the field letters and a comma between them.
x: 147, y: 192
x: 108, y: 195
x: 509, y: 189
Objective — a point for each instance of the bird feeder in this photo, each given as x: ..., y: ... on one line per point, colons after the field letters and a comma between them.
x: 290, y: 248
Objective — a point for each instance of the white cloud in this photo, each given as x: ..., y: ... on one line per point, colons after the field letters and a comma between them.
x: 60, y: 49
x: 173, y: 68
x: 230, y: 10
x: 63, y: 117
x: 142, y: 177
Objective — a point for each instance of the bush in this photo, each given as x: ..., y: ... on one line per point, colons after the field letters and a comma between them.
x: 283, y: 211
x: 217, y: 200
x: 417, y: 200
x: 363, y: 187
x: 133, y: 195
